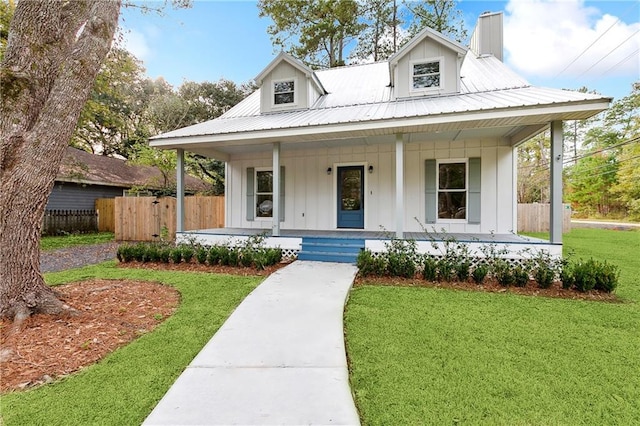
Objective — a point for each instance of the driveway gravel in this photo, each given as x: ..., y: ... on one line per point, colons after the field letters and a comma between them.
x: 77, y: 256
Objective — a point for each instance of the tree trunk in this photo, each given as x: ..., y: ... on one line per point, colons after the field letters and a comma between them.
x: 53, y: 55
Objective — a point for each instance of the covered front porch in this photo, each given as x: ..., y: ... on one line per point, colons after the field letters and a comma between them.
x: 344, y: 245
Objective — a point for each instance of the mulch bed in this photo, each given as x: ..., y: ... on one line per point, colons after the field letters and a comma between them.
x: 492, y: 286
x: 110, y: 314
x: 193, y: 266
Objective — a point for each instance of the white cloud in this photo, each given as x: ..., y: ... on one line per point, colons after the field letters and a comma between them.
x: 542, y: 37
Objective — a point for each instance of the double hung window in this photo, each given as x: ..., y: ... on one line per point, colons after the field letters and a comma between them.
x: 284, y: 92
x: 452, y: 191
x: 425, y: 75
x: 264, y: 193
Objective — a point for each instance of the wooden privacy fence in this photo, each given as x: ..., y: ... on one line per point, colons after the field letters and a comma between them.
x: 535, y: 217
x: 105, y: 207
x: 154, y: 219
x: 57, y: 222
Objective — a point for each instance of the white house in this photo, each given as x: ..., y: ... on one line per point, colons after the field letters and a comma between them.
x: 425, y: 140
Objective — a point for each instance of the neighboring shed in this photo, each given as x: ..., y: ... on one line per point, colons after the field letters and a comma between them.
x: 84, y: 177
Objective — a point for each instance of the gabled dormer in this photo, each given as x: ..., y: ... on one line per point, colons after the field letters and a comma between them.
x: 429, y: 64
x: 288, y: 84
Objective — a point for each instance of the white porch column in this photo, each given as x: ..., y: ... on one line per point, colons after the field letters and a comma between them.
x: 275, y: 212
x: 180, y: 191
x: 555, y: 222
x: 399, y: 186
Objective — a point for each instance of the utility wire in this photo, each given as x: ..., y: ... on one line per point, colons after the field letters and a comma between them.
x: 632, y: 55
x: 596, y: 40
x: 610, y: 52
x: 565, y: 161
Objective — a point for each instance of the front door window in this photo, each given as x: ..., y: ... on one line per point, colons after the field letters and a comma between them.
x: 351, y: 197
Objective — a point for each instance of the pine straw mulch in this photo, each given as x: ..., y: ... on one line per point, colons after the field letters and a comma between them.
x: 110, y: 314
x: 492, y: 286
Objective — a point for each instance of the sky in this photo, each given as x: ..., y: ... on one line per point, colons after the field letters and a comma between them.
x: 564, y: 44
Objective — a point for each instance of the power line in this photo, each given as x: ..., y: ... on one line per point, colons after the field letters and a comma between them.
x: 545, y: 166
x: 632, y: 55
x: 595, y: 41
x: 610, y: 52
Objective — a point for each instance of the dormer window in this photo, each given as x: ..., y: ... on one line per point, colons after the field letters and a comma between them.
x: 283, y: 92
x: 426, y: 75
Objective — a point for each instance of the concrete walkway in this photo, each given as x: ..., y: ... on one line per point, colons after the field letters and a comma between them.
x: 278, y: 359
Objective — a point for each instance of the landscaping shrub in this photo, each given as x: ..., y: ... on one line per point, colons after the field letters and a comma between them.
x: 201, y: 255
x: 266, y: 257
x: 446, y: 270
x: 214, y: 254
x: 151, y: 254
x: 126, y: 253
x: 584, y: 275
x: 607, y: 276
x: 246, y: 258
x: 187, y: 253
x: 480, y: 273
x: 164, y: 254
x: 462, y: 270
x: 139, y: 252
x: 566, y: 276
x: 233, y: 257
x: 401, y: 258
x: 502, y: 272
x: 368, y: 264
x: 520, y: 276
x: 176, y: 255
x: 592, y: 274
x: 429, y: 268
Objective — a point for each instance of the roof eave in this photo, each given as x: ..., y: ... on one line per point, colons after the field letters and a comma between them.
x: 390, y: 125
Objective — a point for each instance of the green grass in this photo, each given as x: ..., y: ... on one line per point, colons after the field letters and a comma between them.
x: 437, y: 356
x: 64, y: 241
x: 123, y: 388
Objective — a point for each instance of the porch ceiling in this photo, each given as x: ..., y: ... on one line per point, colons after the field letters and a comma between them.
x: 512, y: 131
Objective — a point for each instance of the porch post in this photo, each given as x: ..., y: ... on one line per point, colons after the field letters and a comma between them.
x: 180, y: 191
x: 399, y: 185
x: 275, y: 212
x: 555, y: 221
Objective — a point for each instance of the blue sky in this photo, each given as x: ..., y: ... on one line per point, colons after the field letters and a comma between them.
x: 552, y: 43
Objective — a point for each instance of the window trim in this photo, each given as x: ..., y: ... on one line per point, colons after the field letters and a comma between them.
x: 295, y: 92
x: 432, y: 89
x: 464, y: 161
x: 256, y: 170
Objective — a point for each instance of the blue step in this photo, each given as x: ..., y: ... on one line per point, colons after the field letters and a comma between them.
x: 324, y: 249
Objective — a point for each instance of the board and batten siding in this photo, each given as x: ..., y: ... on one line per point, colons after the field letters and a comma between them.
x: 310, y: 201
x: 425, y: 50
x: 75, y: 196
x: 302, y: 88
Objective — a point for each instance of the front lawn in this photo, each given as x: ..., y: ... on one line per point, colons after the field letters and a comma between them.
x: 123, y: 388
x: 438, y: 356
x: 64, y: 241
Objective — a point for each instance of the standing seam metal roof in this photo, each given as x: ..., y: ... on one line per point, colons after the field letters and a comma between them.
x: 361, y: 93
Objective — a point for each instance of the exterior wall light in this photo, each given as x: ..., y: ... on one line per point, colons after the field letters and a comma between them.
x: 370, y: 169
x: 328, y: 170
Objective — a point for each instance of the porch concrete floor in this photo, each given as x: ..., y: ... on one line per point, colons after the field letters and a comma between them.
x: 374, y: 235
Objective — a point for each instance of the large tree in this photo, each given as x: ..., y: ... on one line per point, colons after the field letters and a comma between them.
x: 112, y: 119
x: 440, y: 15
x: 316, y: 31
x: 380, y: 35
x: 53, y: 55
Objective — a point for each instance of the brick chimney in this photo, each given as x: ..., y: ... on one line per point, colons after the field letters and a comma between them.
x: 487, y: 36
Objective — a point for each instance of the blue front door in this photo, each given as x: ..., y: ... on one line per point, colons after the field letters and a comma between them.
x: 351, y: 197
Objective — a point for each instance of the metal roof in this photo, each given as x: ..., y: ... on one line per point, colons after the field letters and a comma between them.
x: 361, y: 95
